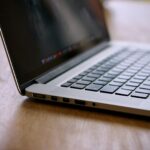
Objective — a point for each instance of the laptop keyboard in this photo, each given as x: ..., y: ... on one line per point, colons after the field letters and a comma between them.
x: 125, y: 73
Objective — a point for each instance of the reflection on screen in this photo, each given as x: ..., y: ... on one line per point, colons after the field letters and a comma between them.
x: 59, y: 24
x: 42, y: 34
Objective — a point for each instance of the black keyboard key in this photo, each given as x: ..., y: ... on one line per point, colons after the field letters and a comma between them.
x: 131, y: 88
x: 124, y: 77
x: 100, y: 82
x: 132, y: 84
x: 83, y: 82
x: 67, y: 84
x: 102, y: 69
x: 77, y: 86
x: 116, y: 83
x: 139, y: 95
x: 127, y: 74
x: 98, y: 72
x: 145, y: 71
x: 88, y: 79
x: 72, y: 81
x: 109, y: 76
x: 144, y: 87
x: 105, y: 79
x: 147, y: 83
x: 121, y: 67
x: 117, y: 70
x: 93, y: 75
x: 123, y: 92
x: 131, y: 71
x: 113, y: 73
x: 89, y: 70
x: 83, y: 73
x: 136, y: 81
x: 143, y: 74
x: 109, y: 89
x: 139, y: 77
x: 145, y: 91
x: 120, y: 80
x: 94, y: 87
x: 78, y: 77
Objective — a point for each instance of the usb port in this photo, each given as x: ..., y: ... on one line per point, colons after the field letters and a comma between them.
x: 66, y: 100
x: 79, y: 102
x: 35, y: 95
x: 53, y: 98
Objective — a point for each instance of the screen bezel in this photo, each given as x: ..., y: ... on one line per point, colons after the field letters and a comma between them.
x: 21, y: 86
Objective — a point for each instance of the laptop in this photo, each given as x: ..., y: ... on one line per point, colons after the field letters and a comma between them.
x: 60, y: 51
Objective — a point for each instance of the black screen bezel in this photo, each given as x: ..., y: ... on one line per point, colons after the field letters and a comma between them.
x: 34, y: 75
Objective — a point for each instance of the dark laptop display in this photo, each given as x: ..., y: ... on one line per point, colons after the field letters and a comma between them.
x: 42, y: 34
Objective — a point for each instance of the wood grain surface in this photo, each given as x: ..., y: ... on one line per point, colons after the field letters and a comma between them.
x: 30, y: 125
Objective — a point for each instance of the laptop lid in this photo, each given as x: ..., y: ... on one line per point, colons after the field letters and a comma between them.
x: 41, y: 35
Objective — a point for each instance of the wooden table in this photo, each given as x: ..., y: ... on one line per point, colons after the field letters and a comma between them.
x: 29, y: 125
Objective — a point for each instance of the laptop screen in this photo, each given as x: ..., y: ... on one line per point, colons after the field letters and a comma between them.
x: 42, y: 34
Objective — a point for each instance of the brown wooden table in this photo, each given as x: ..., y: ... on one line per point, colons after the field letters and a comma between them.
x: 29, y: 125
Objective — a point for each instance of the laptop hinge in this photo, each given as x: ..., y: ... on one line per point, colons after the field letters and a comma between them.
x: 48, y: 76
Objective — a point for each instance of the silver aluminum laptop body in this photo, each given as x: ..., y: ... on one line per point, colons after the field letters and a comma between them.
x: 46, y: 85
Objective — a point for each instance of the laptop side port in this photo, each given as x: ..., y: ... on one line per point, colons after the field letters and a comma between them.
x: 78, y: 102
x: 39, y: 96
x: 54, y: 98
x: 93, y: 104
x: 66, y: 100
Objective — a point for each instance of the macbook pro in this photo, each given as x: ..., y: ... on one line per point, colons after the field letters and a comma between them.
x: 61, y: 51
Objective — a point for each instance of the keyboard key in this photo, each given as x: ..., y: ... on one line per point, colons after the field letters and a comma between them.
x: 105, y: 79
x: 93, y: 75
x: 136, y: 81
x: 148, y: 79
x: 132, y: 84
x: 139, y: 95
x: 83, y: 82
x: 144, y: 87
x: 94, y: 87
x: 145, y: 91
x: 89, y: 70
x: 120, y: 80
x: 147, y: 83
x: 109, y: 76
x: 131, y: 71
x: 88, y: 79
x: 124, y: 77
x: 143, y: 74
x: 145, y: 71
x: 72, y: 81
x: 109, y: 89
x: 127, y: 74
x: 117, y: 70
x: 113, y: 73
x: 116, y: 83
x: 131, y: 88
x: 78, y: 77
x: 102, y: 69
x: 98, y: 72
x: 67, y: 84
x: 78, y: 86
x: 139, y: 77
x: 100, y: 82
x: 123, y: 92
x: 83, y: 74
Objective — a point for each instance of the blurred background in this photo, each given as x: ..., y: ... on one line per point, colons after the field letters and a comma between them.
x: 128, y: 16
